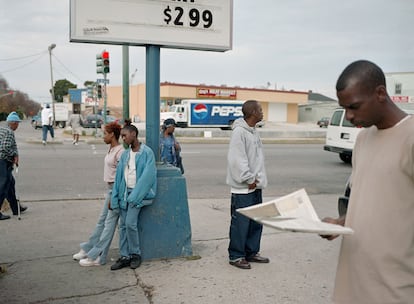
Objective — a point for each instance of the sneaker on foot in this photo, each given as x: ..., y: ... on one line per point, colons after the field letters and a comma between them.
x: 121, y: 263
x: 89, y: 262
x: 44, y: 142
x: 135, y: 261
x: 80, y: 255
x: 76, y: 143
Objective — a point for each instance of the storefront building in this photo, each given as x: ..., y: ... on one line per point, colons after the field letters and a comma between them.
x: 278, y: 106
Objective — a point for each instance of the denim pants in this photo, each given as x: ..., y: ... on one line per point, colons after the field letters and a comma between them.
x: 11, y: 196
x: 46, y: 128
x: 128, y: 231
x: 101, y: 238
x: 6, y: 178
x: 245, y: 234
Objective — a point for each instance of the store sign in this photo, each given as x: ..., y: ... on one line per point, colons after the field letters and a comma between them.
x: 216, y: 93
x: 399, y: 98
x: 186, y: 24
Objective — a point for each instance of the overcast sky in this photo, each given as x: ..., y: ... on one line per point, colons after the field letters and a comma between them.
x: 292, y: 44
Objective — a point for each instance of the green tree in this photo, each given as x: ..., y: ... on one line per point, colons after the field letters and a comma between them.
x: 61, y: 88
x: 18, y: 101
x: 88, y: 83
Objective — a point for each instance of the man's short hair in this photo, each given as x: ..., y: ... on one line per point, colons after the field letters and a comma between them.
x: 249, y: 107
x: 365, y: 72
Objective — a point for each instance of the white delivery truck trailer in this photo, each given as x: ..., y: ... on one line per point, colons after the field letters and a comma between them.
x: 207, y: 113
x: 62, y: 113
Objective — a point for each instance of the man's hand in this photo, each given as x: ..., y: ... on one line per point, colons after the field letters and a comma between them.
x: 337, y: 221
x: 253, y: 185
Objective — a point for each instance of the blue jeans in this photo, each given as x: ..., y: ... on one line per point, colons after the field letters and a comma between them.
x: 6, y: 179
x: 245, y: 234
x: 128, y: 231
x: 101, y: 238
x: 11, y: 196
x: 46, y: 128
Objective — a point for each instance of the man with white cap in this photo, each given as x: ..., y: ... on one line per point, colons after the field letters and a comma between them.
x: 47, y: 123
x: 9, y: 157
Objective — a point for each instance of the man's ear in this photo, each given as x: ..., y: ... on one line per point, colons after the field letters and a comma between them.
x: 381, y: 92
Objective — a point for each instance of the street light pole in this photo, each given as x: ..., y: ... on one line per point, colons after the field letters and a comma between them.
x: 50, y: 48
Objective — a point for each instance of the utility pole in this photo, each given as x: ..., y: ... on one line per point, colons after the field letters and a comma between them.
x: 50, y: 48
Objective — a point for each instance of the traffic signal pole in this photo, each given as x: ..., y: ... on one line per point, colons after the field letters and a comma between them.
x: 105, y: 100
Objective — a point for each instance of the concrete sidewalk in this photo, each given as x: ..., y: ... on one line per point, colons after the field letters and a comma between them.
x: 37, y: 252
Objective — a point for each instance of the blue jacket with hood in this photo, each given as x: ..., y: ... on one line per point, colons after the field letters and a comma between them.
x: 146, y: 181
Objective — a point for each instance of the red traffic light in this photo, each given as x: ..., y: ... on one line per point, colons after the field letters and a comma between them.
x: 105, y: 55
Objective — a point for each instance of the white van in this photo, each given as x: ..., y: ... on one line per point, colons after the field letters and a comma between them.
x: 341, y: 136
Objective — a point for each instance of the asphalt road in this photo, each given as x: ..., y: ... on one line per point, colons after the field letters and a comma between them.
x: 64, y: 171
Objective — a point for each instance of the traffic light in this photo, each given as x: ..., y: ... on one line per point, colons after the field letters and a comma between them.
x: 105, y: 58
x: 99, y: 91
x: 90, y: 91
x: 99, y: 64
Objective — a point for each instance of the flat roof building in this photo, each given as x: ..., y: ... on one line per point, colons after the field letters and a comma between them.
x: 278, y: 105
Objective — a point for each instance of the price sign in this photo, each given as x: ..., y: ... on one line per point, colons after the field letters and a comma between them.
x: 176, y: 16
x: 187, y: 24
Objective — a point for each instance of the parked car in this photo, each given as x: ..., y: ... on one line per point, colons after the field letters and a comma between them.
x: 110, y: 118
x: 36, y: 122
x: 93, y: 121
x: 323, y: 122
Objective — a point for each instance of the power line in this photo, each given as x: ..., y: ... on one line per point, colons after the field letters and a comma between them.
x: 23, y: 65
x: 67, y: 69
x: 22, y: 57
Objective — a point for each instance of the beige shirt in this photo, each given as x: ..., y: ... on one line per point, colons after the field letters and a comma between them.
x: 376, y: 263
x: 111, y: 161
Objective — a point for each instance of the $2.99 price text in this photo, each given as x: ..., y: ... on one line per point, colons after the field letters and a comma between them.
x: 176, y: 16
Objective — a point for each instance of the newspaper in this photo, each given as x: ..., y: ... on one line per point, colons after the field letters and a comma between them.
x: 293, y: 212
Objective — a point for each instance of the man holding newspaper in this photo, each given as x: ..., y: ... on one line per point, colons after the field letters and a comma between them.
x: 376, y: 263
x: 247, y: 177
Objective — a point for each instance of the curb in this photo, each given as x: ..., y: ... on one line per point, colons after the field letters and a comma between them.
x: 195, y: 140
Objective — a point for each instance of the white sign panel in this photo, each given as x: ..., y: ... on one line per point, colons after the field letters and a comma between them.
x: 185, y: 24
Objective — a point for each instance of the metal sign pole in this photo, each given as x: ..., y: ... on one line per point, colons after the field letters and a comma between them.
x: 105, y: 100
x: 152, y: 121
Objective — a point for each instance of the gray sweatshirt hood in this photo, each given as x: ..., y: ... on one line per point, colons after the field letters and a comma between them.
x: 240, y: 122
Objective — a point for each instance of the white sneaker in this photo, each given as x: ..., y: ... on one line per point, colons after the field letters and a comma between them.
x: 76, y: 144
x: 44, y: 142
x: 73, y: 142
x: 89, y: 262
x: 80, y: 255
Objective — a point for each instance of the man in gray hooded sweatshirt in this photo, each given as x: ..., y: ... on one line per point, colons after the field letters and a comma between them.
x: 246, y: 176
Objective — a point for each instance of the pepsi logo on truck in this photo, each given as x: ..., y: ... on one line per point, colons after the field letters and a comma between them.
x: 205, y: 113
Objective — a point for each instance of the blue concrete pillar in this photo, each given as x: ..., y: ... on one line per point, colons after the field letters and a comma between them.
x: 164, y: 226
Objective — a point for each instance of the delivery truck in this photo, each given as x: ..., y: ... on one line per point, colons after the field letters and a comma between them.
x: 205, y: 113
x: 61, y: 113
